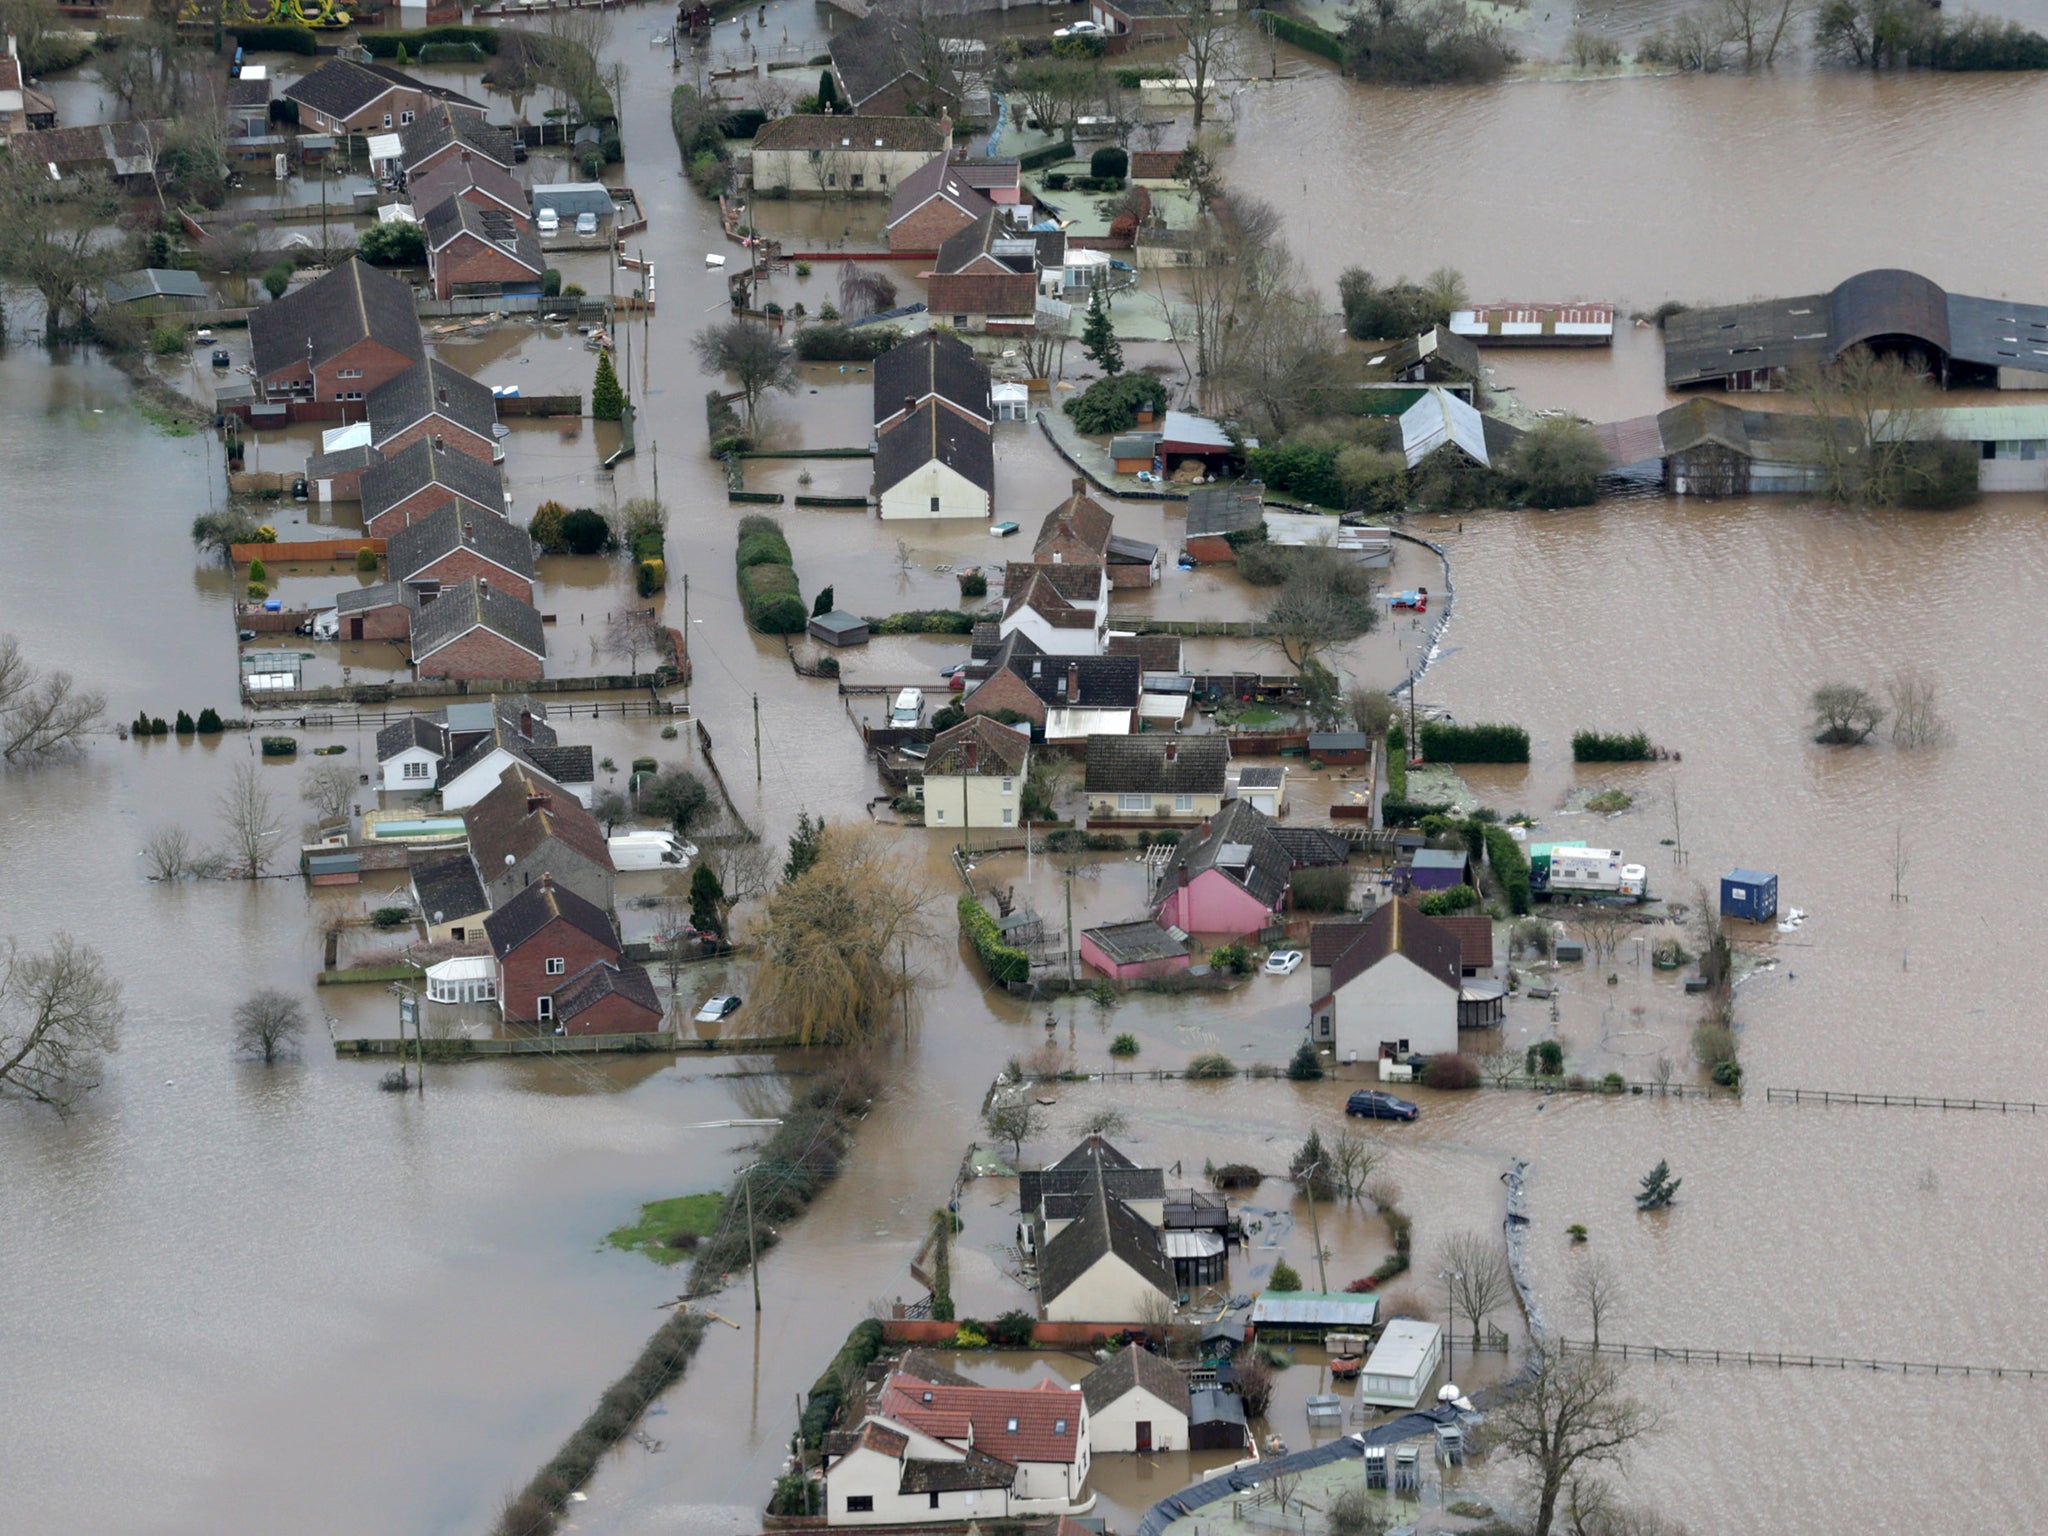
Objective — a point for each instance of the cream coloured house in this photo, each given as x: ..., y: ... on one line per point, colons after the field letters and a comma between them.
x: 815, y: 155
x: 932, y: 464
x: 1387, y: 987
x: 1101, y: 1256
x: 974, y: 775
x: 1137, y: 1402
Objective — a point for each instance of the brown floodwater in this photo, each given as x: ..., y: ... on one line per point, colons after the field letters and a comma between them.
x: 285, y: 1293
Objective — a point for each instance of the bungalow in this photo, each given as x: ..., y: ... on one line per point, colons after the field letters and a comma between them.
x: 450, y: 898
x: 420, y: 480
x: 527, y: 829
x: 448, y: 132
x: 1215, y: 512
x: 1149, y: 779
x: 346, y: 97
x: 932, y: 367
x: 474, y: 633
x: 475, y: 178
x: 541, y: 938
x: 813, y: 155
x: 1064, y: 609
x: 473, y: 250
x: 382, y: 612
x: 457, y: 544
x: 974, y: 775
x: 1385, y: 988
x: 930, y: 205
x: 984, y: 301
x: 883, y: 71
x: 1134, y: 951
x: 933, y: 464
x: 1137, y: 1402
x: 338, y: 338
x: 1441, y: 420
x: 1402, y: 1364
x: 440, y: 404
x: 1081, y: 531
x: 1107, y: 1265
x: 1233, y: 877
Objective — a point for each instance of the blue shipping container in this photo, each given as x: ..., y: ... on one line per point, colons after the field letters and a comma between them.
x: 1749, y: 894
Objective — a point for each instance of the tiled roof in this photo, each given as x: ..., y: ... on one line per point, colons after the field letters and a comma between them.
x: 932, y: 364
x: 1474, y: 933
x: 340, y: 88
x: 1224, y: 509
x: 1101, y: 682
x: 538, y: 905
x: 1077, y: 581
x: 868, y: 55
x: 442, y: 532
x: 982, y: 293
x: 1078, y: 523
x: 1075, y: 1173
x: 594, y: 983
x: 1312, y: 845
x: 1155, y: 653
x: 1399, y: 928
x: 1134, y: 1366
x: 128, y: 149
x: 989, y: 173
x: 432, y: 388
x: 567, y: 766
x: 448, y: 888
x: 448, y: 123
x: 1239, y: 843
x: 925, y: 1366
x: 935, y: 179
x: 500, y: 824
x: 384, y: 594
x: 342, y: 461
x: 352, y: 303
x: 412, y: 731
x: 813, y: 130
x: 390, y: 481
x: 929, y: 434
x: 472, y: 605
x: 936, y: 1410
x: 455, y: 216
x: 974, y: 1470
x: 1105, y: 1227
x: 1172, y: 765
x: 977, y: 746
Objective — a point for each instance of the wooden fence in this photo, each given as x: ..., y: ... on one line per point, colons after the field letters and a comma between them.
x: 1900, y: 1101
x: 1681, y: 1355
x: 665, y: 1041
x: 457, y: 688
x: 304, y: 552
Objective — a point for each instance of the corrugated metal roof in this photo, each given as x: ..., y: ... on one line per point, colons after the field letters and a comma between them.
x: 1966, y: 423
x: 1441, y: 417
x: 1315, y: 1309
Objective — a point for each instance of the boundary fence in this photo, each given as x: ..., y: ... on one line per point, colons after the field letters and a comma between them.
x: 1900, y: 1101
x: 1787, y: 1360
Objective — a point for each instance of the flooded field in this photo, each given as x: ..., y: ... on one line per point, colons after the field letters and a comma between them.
x: 329, y: 1309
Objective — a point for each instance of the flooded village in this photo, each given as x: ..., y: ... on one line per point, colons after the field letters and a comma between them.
x: 684, y: 903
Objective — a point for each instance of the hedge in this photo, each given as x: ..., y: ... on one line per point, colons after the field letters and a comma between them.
x: 723, y: 422
x: 1002, y: 962
x: 762, y: 545
x: 276, y: 39
x: 1510, y: 867
x: 1303, y: 35
x: 1403, y: 812
x: 862, y: 1348
x: 1446, y: 743
x: 1596, y: 747
x: 385, y: 45
x: 924, y: 621
x: 773, y: 602
x: 756, y: 498
x: 843, y: 344
x: 1397, y: 763
x: 1052, y: 154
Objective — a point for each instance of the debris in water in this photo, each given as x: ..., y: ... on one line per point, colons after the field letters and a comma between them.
x: 1794, y: 920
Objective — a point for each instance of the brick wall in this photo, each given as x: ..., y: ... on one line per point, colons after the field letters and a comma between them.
x: 928, y: 227
x: 409, y: 510
x: 393, y: 621
x: 525, y: 969
x: 1005, y: 690
x: 460, y: 564
x: 455, y: 439
x: 481, y: 654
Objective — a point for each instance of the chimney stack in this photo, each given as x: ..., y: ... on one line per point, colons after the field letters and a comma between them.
x: 909, y: 404
x: 1172, y: 750
x: 1073, y: 682
x: 526, y: 723
x: 442, y: 393
x: 973, y: 753
x: 1080, y: 485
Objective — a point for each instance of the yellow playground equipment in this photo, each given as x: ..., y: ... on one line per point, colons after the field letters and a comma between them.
x: 324, y: 14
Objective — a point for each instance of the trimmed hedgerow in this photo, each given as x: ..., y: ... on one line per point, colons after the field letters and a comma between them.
x: 1510, y: 867
x: 1003, y: 962
x: 1443, y: 742
x: 1610, y: 747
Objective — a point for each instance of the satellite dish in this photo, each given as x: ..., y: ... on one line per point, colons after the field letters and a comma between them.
x: 510, y: 861
x: 1448, y: 1392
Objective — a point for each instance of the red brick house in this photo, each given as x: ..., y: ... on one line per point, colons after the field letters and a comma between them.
x: 445, y: 134
x: 608, y: 998
x: 472, y: 250
x: 476, y: 633
x: 382, y: 612
x: 337, y: 338
x: 1080, y: 531
x: 457, y: 172
x: 931, y: 206
x: 983, y: 301
x: 342, y: 96
x: 457, y: 544
x: 528, y: 827
x: 439, y: 404
x: 540, y: 938
x: 400, y: 490
x: 884, y: 70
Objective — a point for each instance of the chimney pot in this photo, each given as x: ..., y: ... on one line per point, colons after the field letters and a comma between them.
x: 1172, y: 750
x: 443, y: 394
x: 973, y: 752
x: 1073, y: 682
x: 538, y: 800
x: 1080, y: 485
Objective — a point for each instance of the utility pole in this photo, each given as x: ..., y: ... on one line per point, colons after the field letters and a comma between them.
x: 653, y: 448
x: 801, y: 1469
x: 903, y: 961
x: 757, y: 738
x: 1450, y: 1278
x: 1070, y: 924
x: 753, y: 1258
x: 1315, y: 1227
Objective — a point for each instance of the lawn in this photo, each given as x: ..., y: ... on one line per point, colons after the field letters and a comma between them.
x: 688, y: 1217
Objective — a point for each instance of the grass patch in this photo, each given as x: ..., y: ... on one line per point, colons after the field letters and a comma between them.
x: 669, y: 1230
x: 167, y: 422
x: 1258, y: 715
x: 367, y: 973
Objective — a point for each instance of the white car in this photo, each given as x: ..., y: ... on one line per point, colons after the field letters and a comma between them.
x: 547, y: 221
x: 1080, y: 29
x: 718, y: 1008
x: 1282, y: 962
x: 586, y: 223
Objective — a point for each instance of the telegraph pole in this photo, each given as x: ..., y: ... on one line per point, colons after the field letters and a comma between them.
x: 1315, y: 1227
x: 753, y: 1257
x: 757, y: 738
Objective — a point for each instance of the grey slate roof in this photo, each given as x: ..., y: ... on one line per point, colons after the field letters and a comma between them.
x: 935, y: 178
x: 538, y: 905
x: 413, y: 731
x: 1240, y: 843
x: 447, y: 123
x: 927, y: 434
x: 934, y: 363
x: 1134, y: 1366
x: 1173, y: 765
x: 460, y: 609
x: 391, y: 480
x: 1311, y: 845
x: 432, y: 388
x: 1075, y: 1172
x: 1453, y: 354
x: 975, y: 1470
x: 869, y: 55
x: 448, y: 888
x: 567, y: 766
x: 343, y: 87
x: 419, y: 544
x: 155, y: 283
x: 382, y: 595
x: 594, y: 983
x: 817, y: 131
x: 1212, y: 1405
x: 1104, y: 1227
x: 1106, y: 682
x: 352, y: 303
x: 1224, y: 509
x: 342, y: 461
x: 1138, y: 943
x: 455, y: 216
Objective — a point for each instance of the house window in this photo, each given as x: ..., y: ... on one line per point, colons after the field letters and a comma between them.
x: 860, y: 1504
x: 1059, y: 1426
x: 1323, y: 1026
x: 883, y: 178
x: 458, y: 934
x: 934, y: 1501
x: 1183, y: 802
x: 405, y: 119
x: 556, y: 965
x: 1009, y: 786
x: 1135, y: 803
x: 814, y: 155
x: 935, y: 504
x: 938, y: 815
x: 959, y: 322
x: 831, y: 178
x: 417, y: 770
x: 348, y: 373
x: 545, y: 1008
x: 857, y: 180
x: 1009, y: 817
x: 1011, y: 1426
x: 387, y: 119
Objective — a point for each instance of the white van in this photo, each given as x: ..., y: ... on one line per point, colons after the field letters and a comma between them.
x: 909, y: 705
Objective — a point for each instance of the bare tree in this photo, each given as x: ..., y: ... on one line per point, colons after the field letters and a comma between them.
x: 1602, y: 929
x: 1481, y: 1285
x: 1353, y: 1162
x: 1106, y: 1122
x: 269, y: 1024
x: 610, y: 808
x: 1052, y: 90
x: 752, y: 354
x: 632, y: 634
x: 1757, y: 27
x: 1206, y: 37
x: 1283, y: 1486
x: 1596, y: 1286
x: 41, y: 713
x: 1254, y: 1382
x: 1844, y: 714
x: 330, y: 789
x: 48, y: 233
x: 1155, y: 1315
x: 1500, y: 1067
x: 1900, y: 862
x: 1354, y: 1512
x: 864, y: 291
x: 249, y: 821
x: 1873, y: 432
x: 1013, y: 1120
x: 1917, y: 721
x: 168, y: 854
x: 1570, y: 1413
x: 60, y: 1013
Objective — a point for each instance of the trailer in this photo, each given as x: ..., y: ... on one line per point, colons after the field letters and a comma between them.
x: 1595, y: 872
x: 1539, y: 864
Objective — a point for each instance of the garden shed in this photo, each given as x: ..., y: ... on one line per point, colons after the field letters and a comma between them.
x: 1749, y: 894
x: 1312, y: 1315
x: 1215, y: 1421
x: 1437, y: 869
x: 839, y: 628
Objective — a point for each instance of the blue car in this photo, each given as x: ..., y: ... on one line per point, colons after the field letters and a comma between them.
x: 1375, y: 1105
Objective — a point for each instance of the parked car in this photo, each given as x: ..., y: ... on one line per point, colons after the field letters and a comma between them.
x: 908, y: 707
x: 1372, y: 1104
x: 723, y: 1006
x: 547, y: 221
x: 1282, y: 962
x: 1079, y: 29
x: 586, y: 223
x: 1003, y: 530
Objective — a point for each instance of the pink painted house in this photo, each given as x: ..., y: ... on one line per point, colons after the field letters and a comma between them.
x: 1232, y: 877
x: 1133, y: 951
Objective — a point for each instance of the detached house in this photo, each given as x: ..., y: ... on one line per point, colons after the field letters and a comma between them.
x: 1151, y: 778
x: 934, y: 463
x: 930, y: 206
x: 420, y: 480
x: 1137, y: 1402
x: 477, y: 250
x: 457, y: 544
x: 1387, y: 987
x: 1063, y: 609
x: 515, y: 740
x: 475, y: 633
x: 528, y: 827
x: 932, y: 368
x: 1107, y: 1264
x: 560, y: 966
x: 812, y: 155
x: 449, y: 131
x: 1066, y: 698
x: 450, y: 898
x: 440, y: 750
x: 974, y: 775
x: 879, y: 71
x: 990, y: 273
x: 342, y: 96
x: 435, y: 403
x: 1233, y: 877
x: 1080, y: 531
x: 336, y: 339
